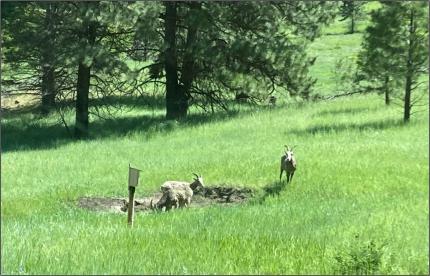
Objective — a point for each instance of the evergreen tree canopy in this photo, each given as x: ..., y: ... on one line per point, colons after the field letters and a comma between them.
x: 353, y: 10
x: 224, y: 48
x: 201, y: 53
x: 395, y: 48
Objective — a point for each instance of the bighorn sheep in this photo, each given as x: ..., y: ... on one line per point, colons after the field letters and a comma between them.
x: 288, y: 164
x: 177, y: 194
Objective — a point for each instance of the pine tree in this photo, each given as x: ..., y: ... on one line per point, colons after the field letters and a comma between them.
x: 353, y: 10
x: 395, y: 50
x: 214, y: 50
x: 29, y: 31
x: 67, y: 50
x: 102, y: 36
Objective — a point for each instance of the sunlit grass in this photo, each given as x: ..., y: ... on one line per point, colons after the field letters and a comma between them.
x: 360, y: 173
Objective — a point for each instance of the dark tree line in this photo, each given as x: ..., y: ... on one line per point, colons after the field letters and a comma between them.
x: 201, y: 53
x: 214, y: 50
x: 63, y: 51
x: 193, y: 53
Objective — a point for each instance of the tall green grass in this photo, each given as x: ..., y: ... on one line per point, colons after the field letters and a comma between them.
x: 362, y: 177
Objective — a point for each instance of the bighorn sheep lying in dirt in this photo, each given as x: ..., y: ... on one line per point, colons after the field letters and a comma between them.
x: 288, y: 164
x: 177, y: 194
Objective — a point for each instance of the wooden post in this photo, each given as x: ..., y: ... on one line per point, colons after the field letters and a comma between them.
x: 130, y: 219
x: 133, y: 181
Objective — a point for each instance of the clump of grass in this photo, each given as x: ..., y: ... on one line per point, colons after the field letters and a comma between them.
x: 359, y: 258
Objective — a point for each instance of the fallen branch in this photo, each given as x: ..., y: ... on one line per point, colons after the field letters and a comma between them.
x: 346, y: 94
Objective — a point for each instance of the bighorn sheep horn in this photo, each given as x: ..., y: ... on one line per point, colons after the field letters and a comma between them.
x: 196, y: 175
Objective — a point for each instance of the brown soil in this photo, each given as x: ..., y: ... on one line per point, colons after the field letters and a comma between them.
x: 203, y: 197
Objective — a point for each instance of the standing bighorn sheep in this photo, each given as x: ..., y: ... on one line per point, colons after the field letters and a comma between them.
x: 177, y: 194
x: 288, y: 164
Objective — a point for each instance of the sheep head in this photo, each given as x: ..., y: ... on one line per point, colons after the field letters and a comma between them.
x: 198, y: 182
x: 289, y: 153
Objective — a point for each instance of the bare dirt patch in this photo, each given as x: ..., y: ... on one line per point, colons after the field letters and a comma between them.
x: 203, y: 197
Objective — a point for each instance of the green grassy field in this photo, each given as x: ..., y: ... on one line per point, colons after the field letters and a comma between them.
x: 359, y: 202
x: 360, y: 173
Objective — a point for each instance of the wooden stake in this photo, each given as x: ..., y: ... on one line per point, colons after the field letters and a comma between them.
x: 131, y: 205
x: 133, y: 181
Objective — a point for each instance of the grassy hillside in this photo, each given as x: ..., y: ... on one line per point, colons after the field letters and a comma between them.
x: 362, y: 177
x: 358, y: 202
x: 337, y: 47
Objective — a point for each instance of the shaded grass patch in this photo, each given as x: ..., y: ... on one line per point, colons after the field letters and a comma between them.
x: 341, y: 127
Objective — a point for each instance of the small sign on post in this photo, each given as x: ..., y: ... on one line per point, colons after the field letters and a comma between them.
x: 133, y: 181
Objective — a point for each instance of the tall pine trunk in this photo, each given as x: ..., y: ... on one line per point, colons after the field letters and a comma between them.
x: 47, y: 60
x: 409, y: 72
x: 48, y: 88
x: 352, y: 26
x: 83, y: 88
x: 188, y: 65
x: 176, y: 99
x: 387, y: 90
x: 407, y: 106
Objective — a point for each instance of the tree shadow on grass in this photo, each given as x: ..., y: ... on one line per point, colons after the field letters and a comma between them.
x: 272, y: 190
x: 34, y: 136
x: 142, y: 101
x: 336, y: 128
x: 345, y: 111
x: 149, y: 102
